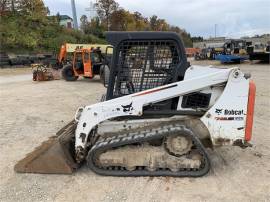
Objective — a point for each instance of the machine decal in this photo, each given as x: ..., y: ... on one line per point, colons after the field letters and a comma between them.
x: 127, y: 108
x: 230, y: 118
x: 78, y: 47
x: 218, y: 111
x: 229, y: 112
x: 233, y: 112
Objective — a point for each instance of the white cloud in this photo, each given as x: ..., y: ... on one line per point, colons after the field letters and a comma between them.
x: 233, y: 17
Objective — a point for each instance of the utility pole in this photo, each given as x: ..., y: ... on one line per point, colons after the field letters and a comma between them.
x: 92, y: 10
x: 215, y: 30
x: 75, y: 22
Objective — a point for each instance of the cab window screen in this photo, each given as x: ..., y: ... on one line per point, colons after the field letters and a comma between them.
x: 144, y: 65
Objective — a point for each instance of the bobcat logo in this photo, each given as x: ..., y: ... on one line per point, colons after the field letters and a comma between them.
x: 127, y: 108
x: 218, y: 111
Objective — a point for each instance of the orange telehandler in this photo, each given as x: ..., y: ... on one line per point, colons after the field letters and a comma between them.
x: 87, y: 61
x: 66, y: 52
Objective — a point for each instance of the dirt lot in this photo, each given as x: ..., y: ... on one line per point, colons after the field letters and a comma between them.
x: 31, y: 112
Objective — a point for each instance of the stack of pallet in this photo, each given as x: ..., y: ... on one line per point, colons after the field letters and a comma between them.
x: 4, y: 59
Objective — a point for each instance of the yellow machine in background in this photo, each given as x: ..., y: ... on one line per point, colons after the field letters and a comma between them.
x: 63, y: 56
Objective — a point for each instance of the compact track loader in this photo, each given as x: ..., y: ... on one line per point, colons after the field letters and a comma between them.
x: 159, y: 116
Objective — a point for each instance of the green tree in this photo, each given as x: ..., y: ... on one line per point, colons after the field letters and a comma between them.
x: 84, y: 23
x: 157, y: 24
x: 105, y: 9
x: 25, y: 26
x: 34, y: 8
x: 142, y: 23
x: 153, y: 22
x: 58, y: 17
x: 184, y: 35
x: 122, y: 20
x: 94, y: 27
x: 197, y: 39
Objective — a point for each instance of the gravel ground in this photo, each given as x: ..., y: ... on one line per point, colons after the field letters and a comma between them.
x: 33, y: 111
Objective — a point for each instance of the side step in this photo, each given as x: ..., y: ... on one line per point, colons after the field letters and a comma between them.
x: 54, y: 156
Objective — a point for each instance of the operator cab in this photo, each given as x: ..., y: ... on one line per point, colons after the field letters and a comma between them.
x: 145, y: 60
x: 87, y: 62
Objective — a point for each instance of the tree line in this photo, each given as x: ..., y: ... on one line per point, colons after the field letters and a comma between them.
x: 26, y: 25
x: 110, y: 16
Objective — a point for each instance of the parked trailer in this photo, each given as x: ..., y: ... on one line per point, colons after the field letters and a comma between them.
x: 230, y: 58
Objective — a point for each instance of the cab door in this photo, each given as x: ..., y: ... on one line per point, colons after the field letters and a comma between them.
x: 78, y: 63
x: 87, y: 64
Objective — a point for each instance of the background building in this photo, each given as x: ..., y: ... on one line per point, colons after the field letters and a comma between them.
x: 219, y: 41
x: 210, y: 43
x: 258, y: 41
x: 66, y: 21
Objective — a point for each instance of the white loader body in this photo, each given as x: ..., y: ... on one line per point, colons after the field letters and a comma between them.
x: 225, y: 118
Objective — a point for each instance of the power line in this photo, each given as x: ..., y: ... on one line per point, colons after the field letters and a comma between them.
x: 92, y: 10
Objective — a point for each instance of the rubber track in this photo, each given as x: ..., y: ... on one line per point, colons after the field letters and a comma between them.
x: 103, y: 145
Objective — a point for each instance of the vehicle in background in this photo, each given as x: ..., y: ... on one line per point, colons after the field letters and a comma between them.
x: 65, y: 55
x: 235, y: 47
x: 208, y: 53
x: 234, y: 51
x: 227, y: 58
x: 259, y: 52
x: 88, y: 62
x: 191, y: 52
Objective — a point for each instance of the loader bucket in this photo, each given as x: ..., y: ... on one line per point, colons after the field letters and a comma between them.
x: 54, y: 156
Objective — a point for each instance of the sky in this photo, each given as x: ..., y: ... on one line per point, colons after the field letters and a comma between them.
x: 233, y: 18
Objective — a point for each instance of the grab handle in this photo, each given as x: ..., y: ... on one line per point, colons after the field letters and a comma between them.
x: 78, y: 113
